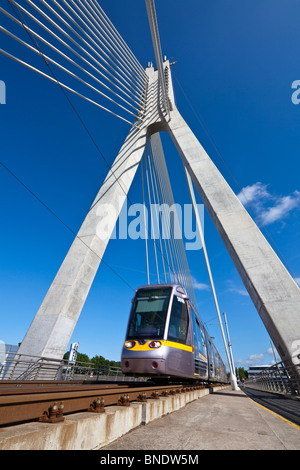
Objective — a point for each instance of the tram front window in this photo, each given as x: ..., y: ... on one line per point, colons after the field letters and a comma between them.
x: 149, y: 314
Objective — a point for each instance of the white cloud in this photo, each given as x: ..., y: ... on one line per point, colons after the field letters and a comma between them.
x: 267, y: 207
x: 252, y: 360
x: 269, y: 351
x: 281, y: 209
x: 256, y: 192
x: 199, y: 285
x: 238, y: 290
x: 257, y: 359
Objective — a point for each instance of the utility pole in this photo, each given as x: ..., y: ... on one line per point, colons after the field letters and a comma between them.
x: 199, y: 227
x: 229, y: 342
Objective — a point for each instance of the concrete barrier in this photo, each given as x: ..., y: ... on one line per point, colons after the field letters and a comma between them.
x: 91, y: 431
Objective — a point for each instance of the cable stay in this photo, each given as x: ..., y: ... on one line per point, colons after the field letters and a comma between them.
x: 158, y: 53
x: 174, y: 250
x: 160, y: 192
x: 95, y: 62
x: 169, y: 254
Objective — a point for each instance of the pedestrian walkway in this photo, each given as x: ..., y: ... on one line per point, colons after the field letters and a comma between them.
x: 224, y: 420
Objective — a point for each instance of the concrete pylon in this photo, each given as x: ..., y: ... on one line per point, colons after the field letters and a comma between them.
x: 274, y: 293
x: 51, y: 330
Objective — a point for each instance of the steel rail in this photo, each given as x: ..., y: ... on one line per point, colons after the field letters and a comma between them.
x: 41, y: 404
x: 25, y: 387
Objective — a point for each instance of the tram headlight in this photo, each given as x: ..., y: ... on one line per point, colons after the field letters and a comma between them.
x: 129, y: 344
x: 154, y: 344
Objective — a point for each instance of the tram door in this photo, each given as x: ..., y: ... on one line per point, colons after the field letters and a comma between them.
x: 211, y: 358
x: 179, y: 358
x: 200, y: 361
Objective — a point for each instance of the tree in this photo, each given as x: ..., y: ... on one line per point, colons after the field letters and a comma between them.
x: 101, y: 361
x: 96, y: 360
x: 241, y: 373
x: 80, y: 357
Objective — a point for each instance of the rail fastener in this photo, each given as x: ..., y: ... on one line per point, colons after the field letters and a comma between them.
x: 124, y: 400
x: 142, y: 397
x: 54, y: 414
x: 97, y: 406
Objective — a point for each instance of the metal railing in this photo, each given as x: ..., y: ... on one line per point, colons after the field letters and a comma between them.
x: 278, y: 378
x: 22, y: 367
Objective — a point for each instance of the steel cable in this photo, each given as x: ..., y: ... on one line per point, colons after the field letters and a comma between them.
x: 129, y: 93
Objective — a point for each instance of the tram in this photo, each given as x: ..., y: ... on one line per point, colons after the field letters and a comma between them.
x: 166, y: 339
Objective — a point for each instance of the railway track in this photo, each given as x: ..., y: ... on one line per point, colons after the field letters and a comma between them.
x: 50, y: 402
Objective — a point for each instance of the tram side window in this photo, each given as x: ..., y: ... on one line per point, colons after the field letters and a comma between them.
x: 211, y: 354
x: 179, y: 321
x: 201, y: 339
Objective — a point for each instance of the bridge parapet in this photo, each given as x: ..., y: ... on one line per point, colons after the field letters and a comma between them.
x: 278, y: 378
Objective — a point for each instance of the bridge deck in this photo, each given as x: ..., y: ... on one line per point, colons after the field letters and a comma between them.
x: 224, y: 420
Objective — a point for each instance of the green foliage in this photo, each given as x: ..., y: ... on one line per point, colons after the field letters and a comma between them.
x: 82, y: 357
x: 241, y: 373
x: 96, y: 360
x: 100, y: 360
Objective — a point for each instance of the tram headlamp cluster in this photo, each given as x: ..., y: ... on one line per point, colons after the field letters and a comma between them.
x: 129, y: 344
x: 154, y: 344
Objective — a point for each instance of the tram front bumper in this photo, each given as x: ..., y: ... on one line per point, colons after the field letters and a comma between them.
x: 143, y: 367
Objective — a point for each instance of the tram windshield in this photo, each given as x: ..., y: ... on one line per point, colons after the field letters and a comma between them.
x: 148, y: 316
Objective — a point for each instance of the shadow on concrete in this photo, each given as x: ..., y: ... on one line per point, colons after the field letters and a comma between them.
x: 232, y: 394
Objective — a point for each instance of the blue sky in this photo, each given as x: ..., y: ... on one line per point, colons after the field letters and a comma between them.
x: 236, y: 62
